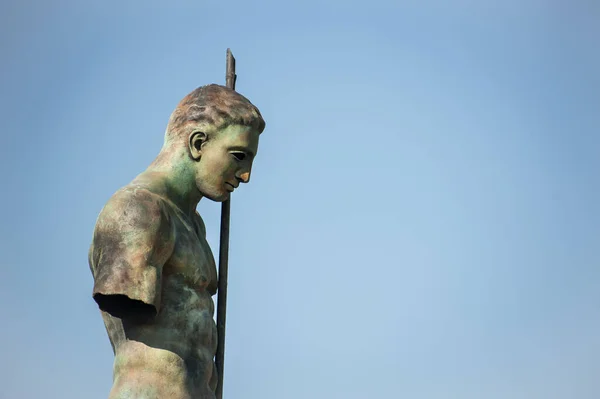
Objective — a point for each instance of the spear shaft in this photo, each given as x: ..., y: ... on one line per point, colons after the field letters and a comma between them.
x: 230, y: 78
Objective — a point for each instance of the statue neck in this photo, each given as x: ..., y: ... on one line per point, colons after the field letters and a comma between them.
x: 175, y: 174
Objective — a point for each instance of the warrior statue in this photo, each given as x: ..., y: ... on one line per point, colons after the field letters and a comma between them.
x: 154, y: 272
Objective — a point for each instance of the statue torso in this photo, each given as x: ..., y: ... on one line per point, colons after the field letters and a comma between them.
x: 171, y: 356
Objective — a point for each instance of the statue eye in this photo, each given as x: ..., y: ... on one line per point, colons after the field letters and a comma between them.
x: 240, y: 156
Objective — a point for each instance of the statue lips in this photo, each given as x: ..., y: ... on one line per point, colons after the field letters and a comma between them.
x: 230, y: 187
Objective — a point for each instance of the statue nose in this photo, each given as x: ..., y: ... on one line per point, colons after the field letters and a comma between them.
x: 245, y: 177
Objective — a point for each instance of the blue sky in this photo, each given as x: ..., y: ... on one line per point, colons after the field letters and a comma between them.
x: 422, y: 220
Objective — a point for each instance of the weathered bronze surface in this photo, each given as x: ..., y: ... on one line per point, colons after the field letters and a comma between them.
x: 154, y: 272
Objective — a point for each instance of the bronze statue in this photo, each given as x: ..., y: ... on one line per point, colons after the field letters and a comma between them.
x: 154, y: 272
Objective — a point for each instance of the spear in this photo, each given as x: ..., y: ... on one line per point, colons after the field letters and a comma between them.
x: 230, y: 78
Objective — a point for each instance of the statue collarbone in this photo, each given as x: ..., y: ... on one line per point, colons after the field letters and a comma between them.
x: 154, y: 272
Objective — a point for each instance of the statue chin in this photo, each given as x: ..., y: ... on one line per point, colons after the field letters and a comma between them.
x: 217, y: 197
x: 212, y: 191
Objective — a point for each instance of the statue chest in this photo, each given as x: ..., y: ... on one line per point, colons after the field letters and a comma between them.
x: 192, y: 258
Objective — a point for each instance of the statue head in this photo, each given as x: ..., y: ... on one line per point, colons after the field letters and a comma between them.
x: 217, y: 130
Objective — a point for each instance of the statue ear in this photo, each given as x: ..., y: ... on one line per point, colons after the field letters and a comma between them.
x: 197, y: 141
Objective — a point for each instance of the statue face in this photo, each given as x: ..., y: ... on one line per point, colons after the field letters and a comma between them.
x: 224, y: 161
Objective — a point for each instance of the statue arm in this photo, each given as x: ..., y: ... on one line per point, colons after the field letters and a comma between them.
x: 132, y: 241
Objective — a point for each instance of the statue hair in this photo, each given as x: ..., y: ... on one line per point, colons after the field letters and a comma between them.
x: 217, y: 105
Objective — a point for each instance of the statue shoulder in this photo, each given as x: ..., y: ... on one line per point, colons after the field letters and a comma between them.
x: 132, y: 241
x: 135, y: 206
